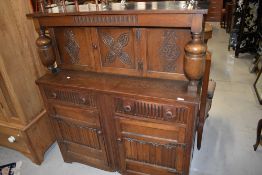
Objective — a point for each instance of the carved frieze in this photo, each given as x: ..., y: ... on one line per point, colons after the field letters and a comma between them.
x: 71, y: 46
x: 169, y: 50
x: 116, y: 48
x: 106, y: 19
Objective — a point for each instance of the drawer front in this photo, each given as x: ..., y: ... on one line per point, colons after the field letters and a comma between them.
x: 149, y: 110
x: 150, y: 148
x: 13, y: 138
x: 86, y: 116
x: 213, y: 17
x: 71, y: 97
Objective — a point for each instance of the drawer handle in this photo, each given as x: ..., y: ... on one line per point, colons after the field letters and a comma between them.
x: 94, y: 46
x: 53, y: 95
x: 119, y: 140
x: 127, y: 108
x: 169, y: 114
x: 83, y: 100
x: 11, y: 139
x: 99, y: 132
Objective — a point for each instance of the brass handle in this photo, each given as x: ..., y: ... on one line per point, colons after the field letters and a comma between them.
x: 94, y: 46
x: 127, y: 108
x: 169, y: 114
x: 53, y: 95
x: 119, y: 140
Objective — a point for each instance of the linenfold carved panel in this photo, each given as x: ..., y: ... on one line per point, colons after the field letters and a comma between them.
x: 79, y: 134
x: 152, y: 110
x: 116, y: 48
x: 71, y: 46
x: 169, y: 50
x: 164, y: 155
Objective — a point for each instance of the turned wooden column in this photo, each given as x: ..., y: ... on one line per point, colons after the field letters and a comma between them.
x: 194, y: 62
x: 46, y: 50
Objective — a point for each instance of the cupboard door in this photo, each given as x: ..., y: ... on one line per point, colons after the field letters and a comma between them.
x: 81, y: 143
x: 75, y: 47
x: 118, y: 51
x: 165, y: 52
x: 150, y: 148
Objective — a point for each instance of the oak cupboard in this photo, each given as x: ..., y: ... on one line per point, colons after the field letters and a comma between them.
x: 126, y: 94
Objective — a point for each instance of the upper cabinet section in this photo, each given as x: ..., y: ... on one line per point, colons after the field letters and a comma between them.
x: 149, y: 52
x: 145, y: 39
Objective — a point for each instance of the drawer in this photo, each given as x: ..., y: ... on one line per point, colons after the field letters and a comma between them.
x: 150, y: 110
x: 214, y: 9
x: 86, y: 116
x: 13, y: 138
x: 213, y: 17
x: 70, y: 96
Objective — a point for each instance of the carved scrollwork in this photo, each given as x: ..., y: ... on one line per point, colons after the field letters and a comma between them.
x: 169, y: 50
x: 71, y: 46
x: 116, y: 48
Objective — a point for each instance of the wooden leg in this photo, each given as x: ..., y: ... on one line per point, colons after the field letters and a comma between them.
x: 259, y: 127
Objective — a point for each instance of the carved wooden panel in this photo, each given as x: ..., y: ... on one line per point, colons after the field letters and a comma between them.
x: 79, y: 134
x: 71, y: 97
x: 117, y: 50
x: 144, y: 109
x: 106, y: 19
x: 165, y: 49
x: 164, y: 155
x: 148, y: 144
x: 75, y: 47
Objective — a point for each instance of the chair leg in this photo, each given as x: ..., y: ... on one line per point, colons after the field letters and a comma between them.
x: 259, y: 127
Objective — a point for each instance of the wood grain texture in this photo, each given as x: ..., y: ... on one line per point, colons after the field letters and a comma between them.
x: 22, y: 113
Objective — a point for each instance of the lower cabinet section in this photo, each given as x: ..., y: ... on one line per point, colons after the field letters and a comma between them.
x: 132, y: 135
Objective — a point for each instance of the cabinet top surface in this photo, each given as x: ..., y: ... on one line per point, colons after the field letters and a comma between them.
x: 172, y: 7
x: 166, y: 89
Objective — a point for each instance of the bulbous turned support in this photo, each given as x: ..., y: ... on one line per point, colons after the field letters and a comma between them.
x: 194, y: 61
x: 46, y: 50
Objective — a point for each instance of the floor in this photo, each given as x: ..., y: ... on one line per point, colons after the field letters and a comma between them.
x: 229, y: 132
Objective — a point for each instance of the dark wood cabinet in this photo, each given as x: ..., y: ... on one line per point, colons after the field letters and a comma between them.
x: 214, y: 10
x: 127, y: 96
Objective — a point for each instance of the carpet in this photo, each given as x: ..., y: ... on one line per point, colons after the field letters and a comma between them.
x: 11, y: 168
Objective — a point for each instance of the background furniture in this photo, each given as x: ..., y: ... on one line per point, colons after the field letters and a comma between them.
x: 245, y: 35
x: 214, y: 10
x: 24, y: 124
x: 259, y: 137
x: 130, y: 90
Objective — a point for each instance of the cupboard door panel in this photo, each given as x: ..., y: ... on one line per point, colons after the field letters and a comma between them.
x: 165, y: 51
x: 75, y: 47
x: 81, y: 143
x: 144, y: 145
x: 118, y: 53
